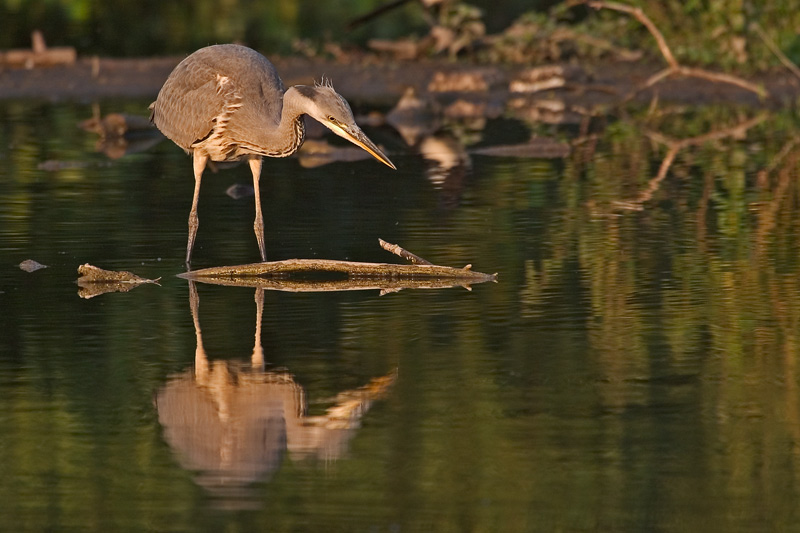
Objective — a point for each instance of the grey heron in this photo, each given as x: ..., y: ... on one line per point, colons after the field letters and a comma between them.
x: 226, y: 102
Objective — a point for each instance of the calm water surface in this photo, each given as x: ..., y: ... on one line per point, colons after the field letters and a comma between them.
x: 632, y: 370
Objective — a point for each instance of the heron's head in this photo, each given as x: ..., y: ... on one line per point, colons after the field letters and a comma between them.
x: 327, y: 107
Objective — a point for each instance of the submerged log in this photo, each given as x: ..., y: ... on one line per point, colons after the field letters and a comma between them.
x: 303, y: 275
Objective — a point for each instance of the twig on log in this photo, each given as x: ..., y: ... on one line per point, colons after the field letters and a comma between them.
x: 402, y: 252
x: 674, y: 68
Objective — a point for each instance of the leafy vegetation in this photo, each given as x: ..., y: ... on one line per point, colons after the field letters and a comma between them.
x: 726, y: 33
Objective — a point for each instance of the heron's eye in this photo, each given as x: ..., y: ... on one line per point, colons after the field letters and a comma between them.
x: 332, y: 119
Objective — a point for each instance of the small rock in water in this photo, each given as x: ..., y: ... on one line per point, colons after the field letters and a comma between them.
x: 237, y: 191
x: 29, y: 265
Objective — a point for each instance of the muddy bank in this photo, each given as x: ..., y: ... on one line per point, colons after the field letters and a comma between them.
x: 383, y: 82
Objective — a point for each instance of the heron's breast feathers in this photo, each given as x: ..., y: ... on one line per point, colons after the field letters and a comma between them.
x: 244, y: 127
x: 218, y: 143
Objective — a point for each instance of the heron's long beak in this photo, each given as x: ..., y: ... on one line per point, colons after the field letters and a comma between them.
x: 356, y: 136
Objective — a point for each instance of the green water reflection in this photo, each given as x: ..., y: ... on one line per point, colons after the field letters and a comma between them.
x: 635, y: 368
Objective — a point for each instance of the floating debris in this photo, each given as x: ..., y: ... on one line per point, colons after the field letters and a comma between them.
x: 237, y: 191
x: 29, y: 265
x: 94, y: 281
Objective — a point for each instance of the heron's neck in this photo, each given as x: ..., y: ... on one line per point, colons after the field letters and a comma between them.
x: 291, y: 132
x: 275, y: 138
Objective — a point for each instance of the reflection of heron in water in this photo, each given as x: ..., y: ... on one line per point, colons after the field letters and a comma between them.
x: 226, y: 102
x: 416, y: 118
x: 120, y: 134
x: 232, y: 423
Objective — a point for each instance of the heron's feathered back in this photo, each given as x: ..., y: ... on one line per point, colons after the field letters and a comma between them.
x: 223, y: 85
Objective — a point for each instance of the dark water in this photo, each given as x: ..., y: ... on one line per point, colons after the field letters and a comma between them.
x: 632, y: 370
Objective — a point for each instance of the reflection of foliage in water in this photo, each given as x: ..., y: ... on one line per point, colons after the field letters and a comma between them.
x: 700, y: 286
x: 621, y: 352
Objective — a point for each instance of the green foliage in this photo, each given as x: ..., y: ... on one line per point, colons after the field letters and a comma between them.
x: 720, y: 33
x: 151, y: 27
x: 712, y: 32
x: 715, y: 32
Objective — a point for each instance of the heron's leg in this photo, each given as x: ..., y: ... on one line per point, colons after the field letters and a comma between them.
x: 257, y: 359
x: 258, y: 225
x: 201, y: 370
x: 199, y: 164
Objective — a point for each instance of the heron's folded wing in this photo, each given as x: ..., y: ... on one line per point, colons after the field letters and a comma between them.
x: 188, y: 104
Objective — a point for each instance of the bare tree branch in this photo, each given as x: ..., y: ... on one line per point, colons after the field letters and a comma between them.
x: 675, y: 146
x: 638, y: 14
x: 674, y: 67
x: 775, y: 50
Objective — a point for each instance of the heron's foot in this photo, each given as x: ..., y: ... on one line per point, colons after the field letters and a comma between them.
x: 194, y: 223
x: 258, y: 226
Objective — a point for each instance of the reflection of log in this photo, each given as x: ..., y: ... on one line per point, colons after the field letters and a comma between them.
x: 328, y: 275
x: 299, y: 285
